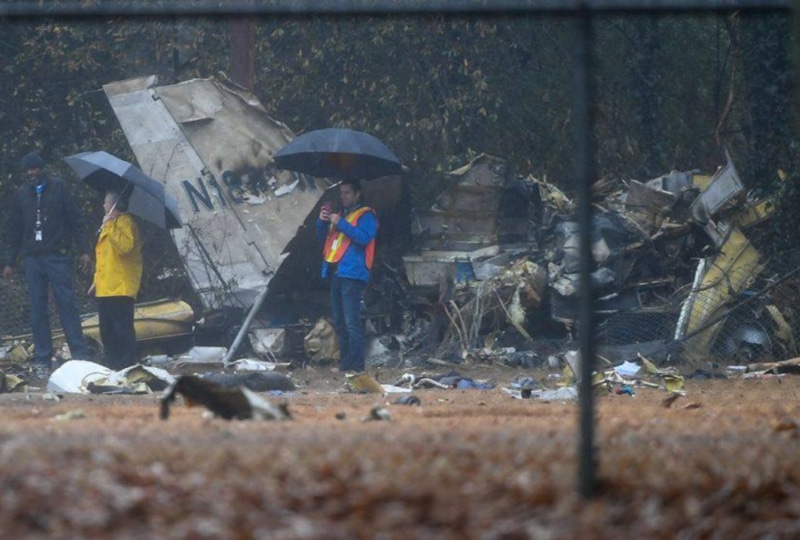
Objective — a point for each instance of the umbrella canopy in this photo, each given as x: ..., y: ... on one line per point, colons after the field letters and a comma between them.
x: 340, y: 154
x: 146, y: 197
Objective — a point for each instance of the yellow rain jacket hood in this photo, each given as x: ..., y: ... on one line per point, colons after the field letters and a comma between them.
x: 119, y: 258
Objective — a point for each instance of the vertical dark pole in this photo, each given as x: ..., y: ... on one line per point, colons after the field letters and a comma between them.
x: 585, y: 176
x: 176, y: 65
x: 242, y: 43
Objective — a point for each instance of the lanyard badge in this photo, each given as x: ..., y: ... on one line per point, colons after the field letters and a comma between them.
x: 37, y: 229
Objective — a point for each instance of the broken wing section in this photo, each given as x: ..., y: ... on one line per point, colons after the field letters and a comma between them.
x: 211, y: 144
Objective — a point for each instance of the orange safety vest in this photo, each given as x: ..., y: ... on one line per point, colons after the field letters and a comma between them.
x: 338, y: 242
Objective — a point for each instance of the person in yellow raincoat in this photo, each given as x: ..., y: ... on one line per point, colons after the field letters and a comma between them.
x: 117, y: 276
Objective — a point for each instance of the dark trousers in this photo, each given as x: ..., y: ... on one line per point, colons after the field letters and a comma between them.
x: 346, y: 295
x: 41, y: 273
x: 116, y: 331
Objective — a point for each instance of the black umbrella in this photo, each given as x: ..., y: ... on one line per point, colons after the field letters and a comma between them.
x: 146, y: 197
x: 338, y: 154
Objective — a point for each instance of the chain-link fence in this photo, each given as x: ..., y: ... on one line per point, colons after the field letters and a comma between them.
x: 737, y: 317
x: 735, y: 313
x: 739, y: 312
x: 163, y: 277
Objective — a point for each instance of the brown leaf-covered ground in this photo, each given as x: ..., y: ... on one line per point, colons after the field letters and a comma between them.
x: 722, y: 462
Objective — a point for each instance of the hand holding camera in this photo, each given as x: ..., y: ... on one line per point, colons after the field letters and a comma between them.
x: 325, y: 213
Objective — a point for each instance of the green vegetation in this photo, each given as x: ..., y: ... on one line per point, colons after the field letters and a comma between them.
x: 673, y: 91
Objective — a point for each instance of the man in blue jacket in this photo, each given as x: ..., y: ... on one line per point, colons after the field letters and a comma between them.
x: 43, y: 223
x: 348, y: 254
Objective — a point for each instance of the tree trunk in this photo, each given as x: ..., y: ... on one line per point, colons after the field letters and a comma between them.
x: 242, y: 32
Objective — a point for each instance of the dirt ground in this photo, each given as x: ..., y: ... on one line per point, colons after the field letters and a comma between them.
x: 722, y: 462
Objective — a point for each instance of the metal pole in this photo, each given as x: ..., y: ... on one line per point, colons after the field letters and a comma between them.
x: 585, y: 176
x: 148, y: 8
x: 245, y: 326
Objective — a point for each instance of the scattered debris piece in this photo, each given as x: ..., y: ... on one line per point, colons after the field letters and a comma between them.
x: 156, y: 359
x: 76, y: 414
x: 225, y: 402
x: 250, y: 364
x: 786, y: 424
x: 625, y: 389
x: 525, y: 385
x: 448, y: 381
x: 627, y: 369
x: 268, y: 342
x: 392, y: 389
x: 378, y: 413
x: 321, y: 343
x: 567, y: 393
x: 785, y: 366
x: 408, y: 400
x: 673, y: 383
x: 406, y: 379
x: 363, y: 383
x: 84, y: 377
x: 18, y: 354
x: 670, y: 399
x: 204, y: 355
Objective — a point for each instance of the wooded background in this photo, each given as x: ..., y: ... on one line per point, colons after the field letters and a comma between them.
x: 673, y: 91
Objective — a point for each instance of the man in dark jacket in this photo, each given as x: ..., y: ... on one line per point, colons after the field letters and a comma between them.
x: 43, y: 223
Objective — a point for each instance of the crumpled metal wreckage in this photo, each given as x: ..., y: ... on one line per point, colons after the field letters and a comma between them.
x: 675, y: 272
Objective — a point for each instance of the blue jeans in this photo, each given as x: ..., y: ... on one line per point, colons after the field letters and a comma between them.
x: 53, y: 270
x: 346, y: 297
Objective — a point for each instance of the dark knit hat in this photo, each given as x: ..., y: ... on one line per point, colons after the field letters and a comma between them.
x: 32, y: 161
